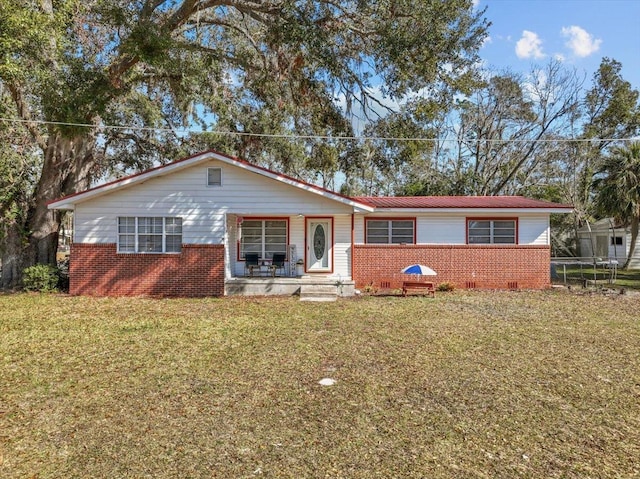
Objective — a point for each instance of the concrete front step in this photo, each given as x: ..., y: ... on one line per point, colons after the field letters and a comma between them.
x: 287, y: 286
x: 318, y: 292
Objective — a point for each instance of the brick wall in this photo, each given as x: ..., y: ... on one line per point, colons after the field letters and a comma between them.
x: 482, y: 267
x: 96, y: 269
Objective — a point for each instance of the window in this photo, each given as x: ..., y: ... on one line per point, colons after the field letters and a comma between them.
x: 264, y: 237
x: 616, y: 241
x: 149, y: 234
x: 390, y: 231
x: 491, y: 231
x: 214, y: 176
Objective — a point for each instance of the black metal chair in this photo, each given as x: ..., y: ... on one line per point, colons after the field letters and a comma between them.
x: 250, y: 263
x: 277, y: 263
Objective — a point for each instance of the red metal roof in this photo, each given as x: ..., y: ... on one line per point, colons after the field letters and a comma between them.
x: 381, y: 202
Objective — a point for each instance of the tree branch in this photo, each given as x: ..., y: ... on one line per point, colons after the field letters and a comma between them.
x: 24, y: 113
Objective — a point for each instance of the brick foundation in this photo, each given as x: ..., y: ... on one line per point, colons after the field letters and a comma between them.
x: 96, y: 269
x: 468, y: 267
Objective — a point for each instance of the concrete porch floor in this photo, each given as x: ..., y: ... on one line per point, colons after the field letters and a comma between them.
x: 285, y: 286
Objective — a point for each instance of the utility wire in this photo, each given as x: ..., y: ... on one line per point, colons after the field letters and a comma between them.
x: 302, y: 137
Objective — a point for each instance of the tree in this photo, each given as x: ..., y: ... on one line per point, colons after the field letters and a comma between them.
x: 19, y: 164
x: 617, y: 188
x: 504, y: 138
x: 611, y: 106
x: 507, y: 129
x: 278, y: 65
x: 611, y: 112
x: 395, y: 152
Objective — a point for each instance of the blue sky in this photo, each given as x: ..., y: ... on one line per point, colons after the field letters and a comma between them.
x: 524, y: 33
x: 579, y: 32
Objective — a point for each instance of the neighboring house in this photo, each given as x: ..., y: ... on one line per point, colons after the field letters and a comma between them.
x: 607, y: 240
x: 184, y: 229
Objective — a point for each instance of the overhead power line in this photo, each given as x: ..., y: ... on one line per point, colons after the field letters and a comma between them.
x: 302, y: 137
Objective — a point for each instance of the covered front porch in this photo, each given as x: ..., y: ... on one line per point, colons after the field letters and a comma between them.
x: 317, y: 248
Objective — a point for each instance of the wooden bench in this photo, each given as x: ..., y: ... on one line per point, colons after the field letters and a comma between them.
x: 423, y: 287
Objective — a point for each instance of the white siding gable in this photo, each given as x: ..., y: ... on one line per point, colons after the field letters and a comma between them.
x: 185, y: 194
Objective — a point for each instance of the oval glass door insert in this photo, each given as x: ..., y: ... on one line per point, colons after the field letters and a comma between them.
x: 319, y: 242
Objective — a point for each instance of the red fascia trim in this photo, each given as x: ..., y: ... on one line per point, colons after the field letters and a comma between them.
x: 392, y: 218
x: 436, y: 202
x: 492, y: 218
x: 263, y: 218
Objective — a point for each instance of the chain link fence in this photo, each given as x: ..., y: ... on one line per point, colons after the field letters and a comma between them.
x: 585, y: 271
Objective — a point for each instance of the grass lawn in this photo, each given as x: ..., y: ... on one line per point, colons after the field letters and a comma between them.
x: 500, y: 384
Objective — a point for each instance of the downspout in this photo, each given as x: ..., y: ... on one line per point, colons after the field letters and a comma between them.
x: 225, y: 242
x: 593, y: 255
x: 613, y: 235
x: 353, y: 235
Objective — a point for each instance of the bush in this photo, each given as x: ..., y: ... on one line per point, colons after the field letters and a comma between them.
x: 370, y: 289
x: 446, y: 286
x: 41, y: 277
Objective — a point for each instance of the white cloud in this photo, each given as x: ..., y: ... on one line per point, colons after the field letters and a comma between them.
x: 487, y: 40
x: 503, y: 38
x: 559, y: 56
x: 581, y: 42
x: 529, y: 46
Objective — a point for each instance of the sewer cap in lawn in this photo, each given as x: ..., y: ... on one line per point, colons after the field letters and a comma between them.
x: 327, y: 382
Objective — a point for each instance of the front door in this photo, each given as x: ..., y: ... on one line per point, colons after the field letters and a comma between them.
x: 319, y: 243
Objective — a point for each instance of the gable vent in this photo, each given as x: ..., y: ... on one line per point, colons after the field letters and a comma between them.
x: 214, y: 176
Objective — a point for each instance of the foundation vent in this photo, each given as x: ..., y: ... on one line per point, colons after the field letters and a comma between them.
x: 470, y: 285
x: 512, y: 285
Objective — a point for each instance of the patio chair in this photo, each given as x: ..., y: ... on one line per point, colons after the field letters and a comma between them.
x: 277, y: 263
x: 251, y: 263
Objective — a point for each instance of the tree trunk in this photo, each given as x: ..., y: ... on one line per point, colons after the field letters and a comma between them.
x: 11, y: 254
x: 33, y: 238
x: 635, y: 226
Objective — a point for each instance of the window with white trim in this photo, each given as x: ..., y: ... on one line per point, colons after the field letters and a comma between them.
x: 390, y: 231
x: 214, y: 176
x: 491, y: 231
x: 264, y: 237
x: 149, y: 234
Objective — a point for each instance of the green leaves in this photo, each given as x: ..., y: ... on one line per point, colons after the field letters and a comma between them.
x: 238, y: 60
x: 618, y: 184
x: 617, y: 189
x: 611, y: 105
x: 427, y: 44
